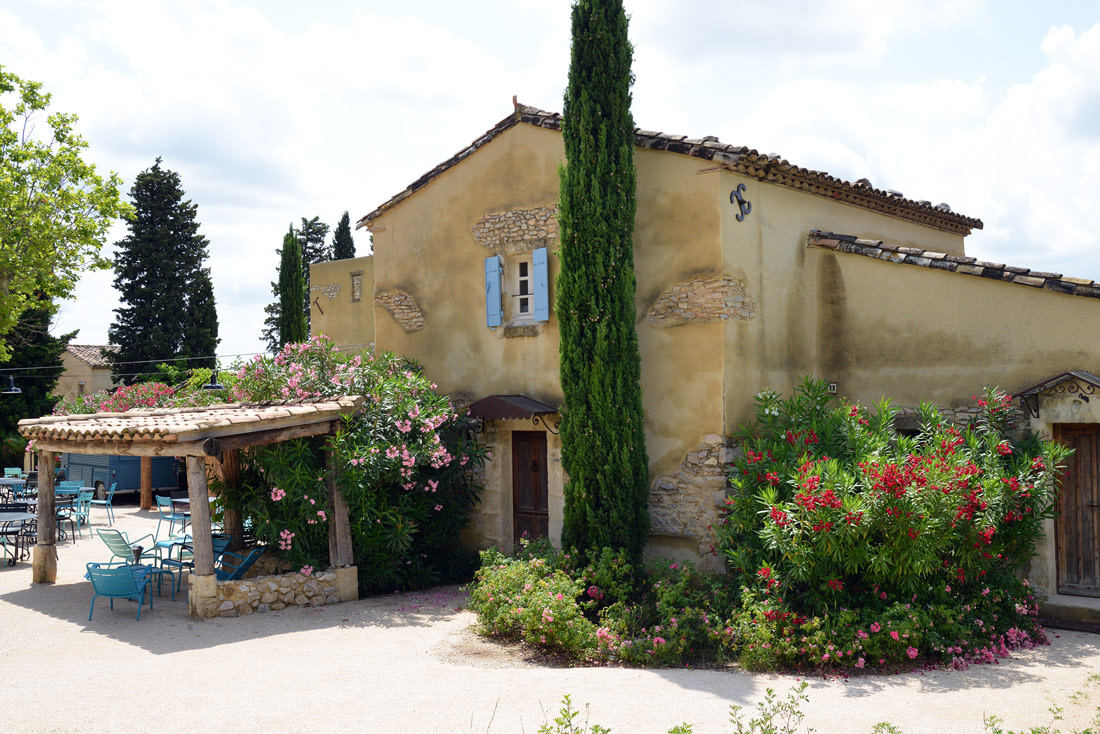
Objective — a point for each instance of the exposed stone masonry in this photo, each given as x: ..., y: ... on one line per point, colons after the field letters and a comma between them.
x: 272, y: 593
x: 702, y: 299
x: 331, y: 290
x: 517, y: 230
x: 908, y: 419
x: 403, y: 308
x: 685, y: 502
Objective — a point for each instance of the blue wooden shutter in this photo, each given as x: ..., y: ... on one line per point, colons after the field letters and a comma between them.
x: 542, y: 285
x: 494, y: 314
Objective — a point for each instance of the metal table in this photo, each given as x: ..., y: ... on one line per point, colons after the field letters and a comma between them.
x: 7, y: 518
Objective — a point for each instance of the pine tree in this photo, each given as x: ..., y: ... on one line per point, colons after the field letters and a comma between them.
x: 343, y: 246
x: 292, y: 288
x: 165, y: 290
x: 311, y: 241
x: 602, y: 432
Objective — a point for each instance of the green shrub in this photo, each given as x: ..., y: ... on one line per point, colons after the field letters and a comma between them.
x: 529, y: 599
x: 830, y: 511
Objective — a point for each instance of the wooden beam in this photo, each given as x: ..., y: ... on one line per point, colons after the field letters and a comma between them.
x: 146, y: 482
x: 295, y: 417
x: 339, y: 529
x: 218, y: 446
x: 44, y: 570
x: 119, y: 448
x: 200, y: 516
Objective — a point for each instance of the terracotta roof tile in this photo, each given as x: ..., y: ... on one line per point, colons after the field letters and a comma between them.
x: 955, y: 263
x: 739, y: 159
x: 175, y: 424
x: 91, y: 354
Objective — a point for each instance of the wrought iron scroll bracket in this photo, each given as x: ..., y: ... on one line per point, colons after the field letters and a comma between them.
x: 536, y: 420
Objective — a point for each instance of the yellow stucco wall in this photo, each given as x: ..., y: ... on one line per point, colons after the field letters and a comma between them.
x: 336, y: 309
x: 914, y: 333
x: 77, y: 371
x: 793, y: 299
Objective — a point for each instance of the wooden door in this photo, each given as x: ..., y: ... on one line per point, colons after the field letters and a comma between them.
x: 1078, y: 523
x: 530, y: 515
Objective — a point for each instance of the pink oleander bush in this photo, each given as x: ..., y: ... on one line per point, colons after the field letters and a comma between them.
x: 405, y: 465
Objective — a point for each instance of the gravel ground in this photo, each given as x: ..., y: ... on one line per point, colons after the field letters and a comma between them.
x: 411, y: 663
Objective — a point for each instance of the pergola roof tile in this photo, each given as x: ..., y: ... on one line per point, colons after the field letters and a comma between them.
x: 173, y: 425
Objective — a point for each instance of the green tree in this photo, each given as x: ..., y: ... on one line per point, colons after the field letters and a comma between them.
x: 311, y: 241
x: 167, y: 306
x: 343, y: 246
x: 603, y: 438
x: 54, y: 208
x: 36, y: 365
x: 292, y: 286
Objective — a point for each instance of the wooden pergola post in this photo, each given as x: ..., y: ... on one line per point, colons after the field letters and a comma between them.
x: 44, y: 562
x: 146, y: 482
x: 340, y: 553
x: 202, y: 599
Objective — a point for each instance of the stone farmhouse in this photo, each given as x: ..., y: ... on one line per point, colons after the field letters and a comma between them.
x: 86, y: 371
x: 751, y: 272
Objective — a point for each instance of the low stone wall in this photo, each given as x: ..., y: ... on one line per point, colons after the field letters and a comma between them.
x: 272, y: 593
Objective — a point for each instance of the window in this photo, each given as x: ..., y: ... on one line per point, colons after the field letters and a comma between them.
x: 523, y: 289
x: 526, y: 280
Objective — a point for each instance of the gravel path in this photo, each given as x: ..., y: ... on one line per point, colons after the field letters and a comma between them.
x: 411, y: 663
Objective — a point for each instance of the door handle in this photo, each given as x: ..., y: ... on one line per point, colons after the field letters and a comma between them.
x: 534, y: 466
x: 1092, y: 504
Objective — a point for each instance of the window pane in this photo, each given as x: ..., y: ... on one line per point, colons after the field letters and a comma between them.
x: 523, y: 269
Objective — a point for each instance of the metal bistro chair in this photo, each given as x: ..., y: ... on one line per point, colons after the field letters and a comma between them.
x: 106, y: 502
x: 121, y: 581
x: 80, y: 511
x: 168, y: 512
x: 186, y: 557
x: 233, y: 567
x: 12, y: 472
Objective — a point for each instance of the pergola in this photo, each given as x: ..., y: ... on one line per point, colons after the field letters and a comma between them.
x: 215, y: 431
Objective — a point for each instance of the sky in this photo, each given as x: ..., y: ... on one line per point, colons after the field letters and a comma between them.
x: 277, y: 110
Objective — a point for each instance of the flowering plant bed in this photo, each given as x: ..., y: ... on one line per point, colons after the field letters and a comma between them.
x: 847, y: 546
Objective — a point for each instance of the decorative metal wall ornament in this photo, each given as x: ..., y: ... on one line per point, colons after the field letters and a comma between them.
x: 537, y: 420
x: 737, y: 196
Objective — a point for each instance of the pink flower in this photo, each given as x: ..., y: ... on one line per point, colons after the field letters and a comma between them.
x: 875, y: 626
x: 894, y: 634
x: 438, y: 508
x: 911, y: 652
x: 860, y: 662
x: 277, y: 494
x: 306, y: 570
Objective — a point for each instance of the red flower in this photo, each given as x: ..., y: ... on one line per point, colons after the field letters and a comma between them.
x: 836, y: 584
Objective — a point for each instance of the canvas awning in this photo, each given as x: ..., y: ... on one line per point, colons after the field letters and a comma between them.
x: 502, y: 407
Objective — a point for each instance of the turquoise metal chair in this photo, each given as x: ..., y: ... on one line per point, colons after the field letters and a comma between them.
x: 107, y: 504
x: 168, y: 512
x: 186, y: 557
x: 80, y: 511
x: 12, y: 471
x: 119, y: 581
x: 122, y: 547
x: 233, y: 567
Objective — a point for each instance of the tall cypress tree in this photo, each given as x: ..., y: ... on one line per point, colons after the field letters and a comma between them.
x: 164, y: 286
x: 292, y: 289
x: 311, y: 243
x: 343, y: 246
x: 602, y: 432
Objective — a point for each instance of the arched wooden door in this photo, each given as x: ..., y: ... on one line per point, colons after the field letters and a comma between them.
x: 1078, y: 523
